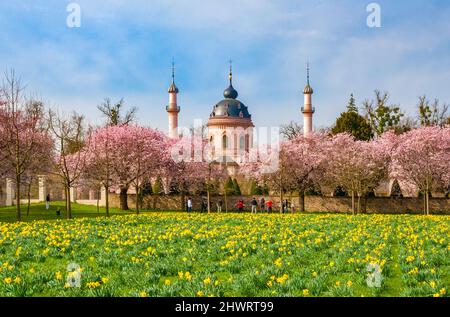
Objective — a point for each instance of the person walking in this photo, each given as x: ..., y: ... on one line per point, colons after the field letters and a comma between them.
x: 269, y: 205
x: 203, y: 205
x: 286, y: 207
x: 219, y: 205
x: 293, y: 206
x: 262, y: 204
x: 47, y: 202
x: 189, y: 205
x: 254, y: 204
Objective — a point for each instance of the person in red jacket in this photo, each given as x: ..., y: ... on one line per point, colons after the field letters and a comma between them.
x: 240, y: 205
x: 269, y: 204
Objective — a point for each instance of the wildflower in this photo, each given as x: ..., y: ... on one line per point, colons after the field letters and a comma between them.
x: 200, y: 293
x: 8, y: 280
x: 331, y: 264
x: 58, y: 275
x: 349, y: 283
x: 31, y: 270
x: 433, y: 284
x: 410, y: 258
x: 269, y: 283
x: 305, y: 292
x: 437, y: 295
x: 278, y: 262
x: 282, y: 280
x: 17, y: 280
x: 167, y: 282
x: 187, y: 276
x: 207, y: 281
x: 105, y: 280
x: 442, y: 291
x: 338, y: 283
x: 314, y: 274
x: 143, y: 294
x: 216, y: 283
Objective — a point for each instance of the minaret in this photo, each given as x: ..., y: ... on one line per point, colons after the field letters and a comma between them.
x: 308, y: 110
x: 172, y: 108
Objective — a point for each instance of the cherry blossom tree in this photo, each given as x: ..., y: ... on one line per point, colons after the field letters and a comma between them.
x: 268, y: 166
x: 422, y: 157
x: 24, y: 138
x: 356, y: 166
x: 304, y: 158
x: 131, y: 152
x: 192, y: 167
x: 70, y: 135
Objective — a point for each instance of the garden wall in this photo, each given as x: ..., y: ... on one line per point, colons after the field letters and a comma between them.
x: 312, y: 204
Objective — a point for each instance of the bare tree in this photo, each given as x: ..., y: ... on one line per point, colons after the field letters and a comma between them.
x: 432, y: 113
x: 70, y: 135
x: 113, y: 113
x: 291, y: 130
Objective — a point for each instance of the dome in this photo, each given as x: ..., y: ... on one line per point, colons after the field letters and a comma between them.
x: 232, y: 108
x: 308, y: 90
x: 230, y: 93
x: 173, y: 88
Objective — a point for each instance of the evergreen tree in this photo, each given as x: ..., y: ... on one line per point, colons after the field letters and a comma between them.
x: 158, y: 186
x: 353, y: 123
x: 351, y: 107
x: 255, y: 189
x: 229, y: 188
x: 237, y: 189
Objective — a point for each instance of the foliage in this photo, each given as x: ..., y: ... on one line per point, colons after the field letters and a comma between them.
x: 114, y: 115
x: 381, y: 116
x: 353, y: 123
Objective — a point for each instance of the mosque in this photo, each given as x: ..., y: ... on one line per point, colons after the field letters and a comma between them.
x: 230, y: 125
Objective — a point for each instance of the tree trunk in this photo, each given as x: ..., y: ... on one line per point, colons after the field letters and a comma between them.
x: 281, y: 201
x: 427, y: 195
x: 29, y: 198
x: 353, y: 202
x: 359, y: 203
x: 183, y: 201
x: 208, y: 196
x: 18, y: 212
x: 123, y: 198
x: 68, y: 204
x: 137, y: 199
x: 107, y: 201
x: 301, y: 201
x: 225, y: 198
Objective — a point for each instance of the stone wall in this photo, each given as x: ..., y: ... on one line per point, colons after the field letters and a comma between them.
x: 312, y: 204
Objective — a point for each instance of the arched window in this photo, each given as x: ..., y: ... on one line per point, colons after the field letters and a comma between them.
x: 242, y: 143
x: 225, y: 142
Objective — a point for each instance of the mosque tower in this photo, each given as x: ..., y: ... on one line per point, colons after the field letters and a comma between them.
x: 172, y: 108
x: 307, y: 109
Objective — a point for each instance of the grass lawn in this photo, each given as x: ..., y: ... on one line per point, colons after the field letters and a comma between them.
x: 180, y: 254
x: 38, y: 212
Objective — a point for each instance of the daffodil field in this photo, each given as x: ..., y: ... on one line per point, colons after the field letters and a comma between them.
x: 177, y: 254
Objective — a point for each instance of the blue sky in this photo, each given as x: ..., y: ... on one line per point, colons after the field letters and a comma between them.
x: 124, y: 49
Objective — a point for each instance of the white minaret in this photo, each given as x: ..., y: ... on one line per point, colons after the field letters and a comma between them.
x: 308, y: 110
x: 172, y: 108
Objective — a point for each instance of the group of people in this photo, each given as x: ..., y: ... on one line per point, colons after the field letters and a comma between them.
x: 261, y: 206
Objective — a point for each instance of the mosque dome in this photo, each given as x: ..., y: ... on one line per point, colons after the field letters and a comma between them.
x: 230, y: 107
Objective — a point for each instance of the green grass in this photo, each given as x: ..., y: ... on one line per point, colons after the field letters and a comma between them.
x: 38, y: 212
